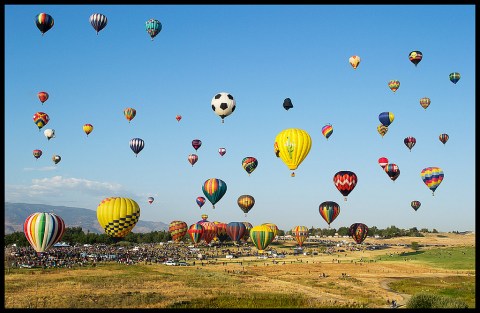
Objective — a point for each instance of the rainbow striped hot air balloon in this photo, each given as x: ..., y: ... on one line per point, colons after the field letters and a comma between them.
x: 43, y: 230
x: 236, y: 231
x: 300, y: 233
x: 327, y: 130
x: 177, y: 230
x: 44, y: 22
x: 249, y: 164
x: 195, y: 231
x: 118, y: 216
x: 273, y: 227
x: 432, y: 177
x: 394, y: 85
x: 329, y: 210
x: 214, y: 189
x: 261, y: 236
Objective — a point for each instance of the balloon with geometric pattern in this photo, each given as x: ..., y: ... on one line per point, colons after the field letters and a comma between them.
x: 40, y: 119
x: 394, y: 85
x: 345, y: 181
x: 178, y: 230
x: 118, y: 216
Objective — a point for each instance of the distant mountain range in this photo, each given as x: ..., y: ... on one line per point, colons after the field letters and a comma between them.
x: 16, y: 213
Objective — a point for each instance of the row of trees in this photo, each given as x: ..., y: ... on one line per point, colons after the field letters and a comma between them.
x: 77, y: 235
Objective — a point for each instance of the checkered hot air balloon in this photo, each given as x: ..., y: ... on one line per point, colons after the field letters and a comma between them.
x: 118, y: 216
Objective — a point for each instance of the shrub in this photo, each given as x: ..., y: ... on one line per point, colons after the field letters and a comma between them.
x: 432, y: 301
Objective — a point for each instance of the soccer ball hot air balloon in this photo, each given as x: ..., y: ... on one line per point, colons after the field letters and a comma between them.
x: 43, y: 230
x: 150, y: 200
x: 40, y: 119
x: 358, y: 231
x: 392, y: 171
x: 200, y: 201
x: 292, y: 145
x: 195, y: 231
x: 432, y: 177
x: 329, y: 210
x: 98, y: 21
x: 214, y: 189
x: 223, y: 104
x: 261, y: 236
x: 178, y: 230
x: 354, y: 61
x: 415, y: 57
x: 425, y: 102
x: 415, y: 205
x: 386, y: 118
x: 382, y: 130
x: 454, y: 77
x: 153, y: 27
x: 56, y: 159
x: 196, y: 143
x: 300, y: 233
x: 383, y: 161
x: 443, y: 138
x: 118, y: 216
x: 222, y: 151
x: 178, y: 118
x: 345, y: 181
x: 87, y: 128
x: 136, y: 144
x: 44, y: 22
x: 192, y: 158
x: 287, y: 104
x: 129, y: 113
x: 49, y: 133
x: 246, y: 203
x: 249, y: 164
x: 394, y: 85
x: 327, y: 130
x: 37, y: 153
x: 410, y: 142
x: 236, y: 231
x: 43, y: 96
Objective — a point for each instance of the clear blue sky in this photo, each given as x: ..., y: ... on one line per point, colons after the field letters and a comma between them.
x: 261, y: 55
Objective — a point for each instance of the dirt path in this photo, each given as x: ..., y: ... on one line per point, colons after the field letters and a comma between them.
x: 404, y: 297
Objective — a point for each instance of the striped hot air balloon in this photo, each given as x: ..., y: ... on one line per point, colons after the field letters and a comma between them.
x: 249, y: 164
x: 178, y: 230
x: 394, y: 85
x: 236, y: 231
x: 261, y: 236
x: 345, y: 181
x: 443, y: 138
x: 98, y: 21
x: 273, y: 227
x: 214, y: 189
x: 118, y: 216
x: 192, y: 159
x: 329, y: 210
x: 200, y: 201
x: 382, y: 130
x: 43, y: 230
x: 246, y: 203
x: 432, y: 177
x: 44, y: 22
x: 209, y: 231
x: 136, y: 144
x: 300, y: 233
x: 129, y: 113
x: 221, y: 234
x: 195, y: 231
x: 327, y: 130
x: 383, y: 161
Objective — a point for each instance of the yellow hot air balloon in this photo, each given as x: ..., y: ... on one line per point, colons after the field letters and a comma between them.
x: 273, y: 227
x: 87, y: 128
x: 354, y: 61
x: 292, y: 145
x: 118, y: 216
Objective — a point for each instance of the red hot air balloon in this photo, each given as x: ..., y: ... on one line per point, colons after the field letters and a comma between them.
x: 383, y: 161
x: 443, y: 138
x: 200, y: 201
x: 345, y: 181
x: 40, y: 119
x: 37, y: 153
x: 43, y: 96
x: 178, y: 118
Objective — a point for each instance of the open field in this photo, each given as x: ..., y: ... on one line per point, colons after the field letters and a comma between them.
x: 354, y: 279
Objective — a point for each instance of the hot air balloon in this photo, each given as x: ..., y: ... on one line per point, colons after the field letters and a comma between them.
x: 415, y: 57
x: 150, y: 200
x: 56, y: 159
x: 129, y: 113
x: 153, y: 27
x: 209, y: 231
x: 410, y: 142
x: 43, y: 96
x: 249, y: 164
x: 432, y: 177
x: 178, y: 118
x: 246, y: 203
x: 382, y: 130
x: 236, y: 231
x: 136, y: 144
x: 394, y: 85
x: 118, y: 216
x: 214, y: 189
x: 287, y: 104
x: 195, y: 231
x: 383, y: 161
x: 204, y: 218
x: 292, y: 145
x: 87, y: 128
x: 329, y: 210
x: 261, y: 236
x: 386, y: 118
x: 425, y: 102
x: 44, y: 22
x: 273, y: 227
x: 345, y: 181
x: 178, y: 230
x: 192, y: 158
x: 392, y: 171
x: 415, y: 205
x: 443, y: 138
x: 222, y: 151
x: 196, y: 143
x: 327, y: 130
x: 40, y: 119
x: 454, y: 77
x: 223, y: 104
x: 354, y: 61
x: 200, y: 201
x: 248, y: 226
x: 49, y: 133
x: 300, y: 233
x: 43, y: 230
x: 37, y: 153
x: 98, y: 21
x: 358, y: 231
x: 221, y: 231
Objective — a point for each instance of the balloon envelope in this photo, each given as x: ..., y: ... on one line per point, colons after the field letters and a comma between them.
x: 88, y: 128
x: 292, y: 145
x: 287, y: 104
x: 432, y: 177
x: 410, y: 142
x: 43, y: 96
x: 44, y: 22
x: 415, y: 204
x: 214, y: 189
x: 150, y: 200
x: 383, y: 161
x: 415, y: 57
x: 153, y: 27
x: 249, y: 164
x: 329, y: 210
x: 327, y: 131
x: 386, y: 118
x: 41, y: 119
x: 443, y: 138
x: 129, y: 113
x: 43, y: 230
x: 192, y: 158
x: 195, y: 231
x: 394, y: 85
x: 196, y: 143
x: 345, y: 181
x: 200, y: 201
x: 354, y: 61
x: 136, y: 144
x: 358, y: 231
x: 236, y: 231
x: 37, y: 153
x: 98, y: 21
x: 178, y: 230
x: 392, y: 171
x: 49, y: 133
x: 246, y: 203
x: 425, y: 102
x: 261, y: 236
x: 454, y: 77
x: 300, y: 233
x: 118, y: 216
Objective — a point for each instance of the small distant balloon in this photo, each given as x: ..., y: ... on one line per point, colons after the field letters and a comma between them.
x: 432, y: 177
x: 425, y: 102
x: 327, y: 130
x: 200, y: 201
x: 415, y: 205
x: 56, y: 159
x: 98, y: 21
x: 222, y: 151
x: 394, y: 85
x: 410, y: 142
x: 87, y: 128
x: 196, y: 143
x: 443, y: 138
x: 129, y: 113
x: 192, y: 158
x: 454, y: 77
x: 415, y: 57
x: 358, y: 231
x: 382, y: 130
x: 136, y: 144
x: 392, y: 171
x: 383, y: 161
x: 354, y: 61
x: 150, y: 200
x: 44, y: 22
x: 249, y: 164
x: 287, y: 104
x: 49, y: 133
x: 40, y: 119
x: 43, y: 96
x: 153, y: 27
x: 37, y: 153
x: 178, y: 118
